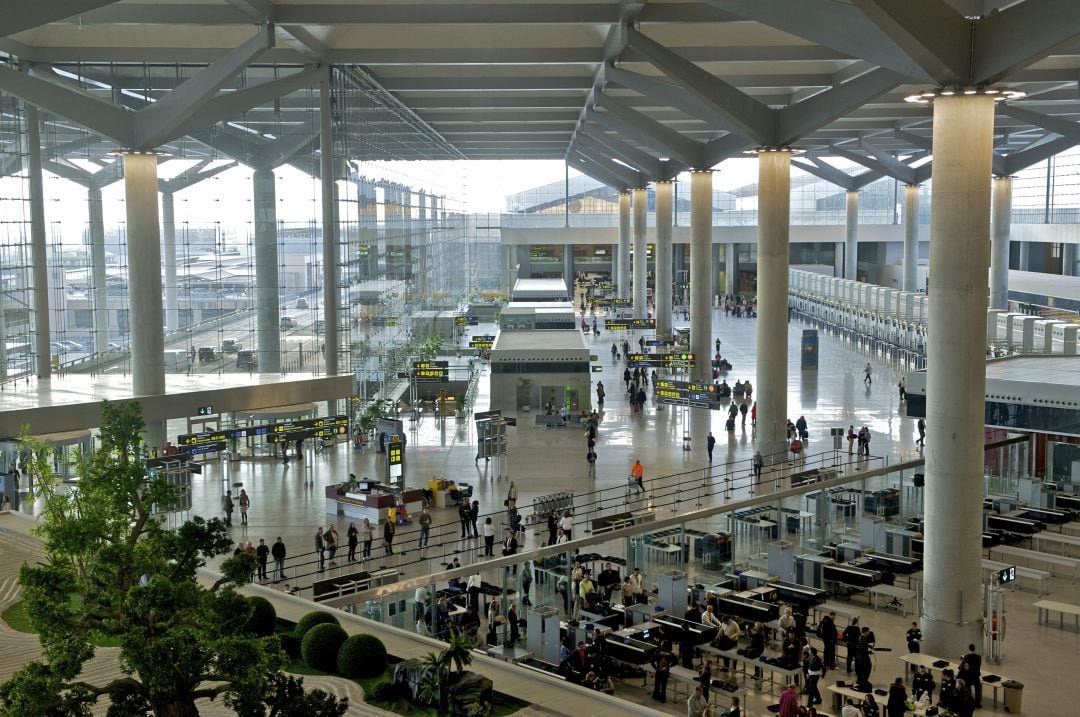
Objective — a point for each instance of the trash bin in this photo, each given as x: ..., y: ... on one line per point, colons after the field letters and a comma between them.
x: 1014, y: 693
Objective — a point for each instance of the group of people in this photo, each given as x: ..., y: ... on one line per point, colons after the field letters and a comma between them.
x: 262, y: 555
x: 737, y: 306
x: 862, y: 437
x: 636, y: 383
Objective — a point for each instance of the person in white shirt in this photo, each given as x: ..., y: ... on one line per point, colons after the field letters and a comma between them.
x: 850, y: 710
x: 562, y: 537
x: 787, y: 621
x: 709, y: 619
x: 636, y: 586
x: 420, y: 599
x: 567, y: 525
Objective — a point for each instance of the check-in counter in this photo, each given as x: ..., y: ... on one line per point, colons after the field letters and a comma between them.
x: 372, y: 504
x: 892, y: 564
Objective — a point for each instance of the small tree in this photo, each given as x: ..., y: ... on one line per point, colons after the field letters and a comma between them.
x: 434, y: 687
x: 136, y: 581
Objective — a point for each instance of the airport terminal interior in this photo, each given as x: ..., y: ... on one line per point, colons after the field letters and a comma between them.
x: 662, y: 311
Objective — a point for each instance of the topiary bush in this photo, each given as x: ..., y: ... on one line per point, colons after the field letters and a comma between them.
x: 311, y: 620
x: 290, y: 645
x: 263, y: 618
x: 320, y: 646
x: 361, y: 656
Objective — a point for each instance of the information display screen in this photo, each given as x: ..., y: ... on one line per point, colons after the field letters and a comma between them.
x: 481, y: 342
x: 323, y: 427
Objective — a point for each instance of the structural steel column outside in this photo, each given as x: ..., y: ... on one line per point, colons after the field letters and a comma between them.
x: 1025, y: 256
x: 664, y: 192
x: 956, y: 373
x: 911, y: 237
x: 267, y: 299
x: 701, y: 274
x: 1068, y: 260
x: 999, y: 243
x: 168, y: 238
x: 641, y: 254
x: 99, y: 280
x: 623, y: 255
x: 329, y: 230
x: 39, y: 251
x: 851, y: 236
x: 144, y: 283
x: 774, y: 205
x: 731, y: 268
x: 568, y: 268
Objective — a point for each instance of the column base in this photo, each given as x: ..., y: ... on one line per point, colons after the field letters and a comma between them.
x: 950, y: 638
x: 154, y: 435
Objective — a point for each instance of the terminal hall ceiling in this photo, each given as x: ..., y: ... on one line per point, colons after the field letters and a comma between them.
x: 627, y: 92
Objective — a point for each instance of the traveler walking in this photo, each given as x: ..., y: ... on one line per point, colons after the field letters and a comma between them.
x: 710, y: 443
x: 866, y: 378
x: 474, y: 515
x: 637, y: 476
x: 489, y: 537
x: 590, y: 459
x: 425, y: 526
x: 388, y: 537
x: 759, y: 462
x: 921, y: 426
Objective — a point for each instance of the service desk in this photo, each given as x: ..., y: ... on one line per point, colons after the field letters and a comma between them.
x: 372, y: 505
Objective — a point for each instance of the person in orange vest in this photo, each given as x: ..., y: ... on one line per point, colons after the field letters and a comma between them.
x: 637, y: 474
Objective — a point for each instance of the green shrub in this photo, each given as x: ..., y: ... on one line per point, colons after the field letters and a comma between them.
x: 388, y: 692
x: 311, y: 620
x: 263, y: 618
x: 290, y: 645
x: 361, y: 656
x: 320, y: 646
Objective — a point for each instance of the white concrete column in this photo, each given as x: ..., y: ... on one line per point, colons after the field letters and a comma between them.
x: 98, y: 277
x: 701, y: 274
x: 911, y: 237
x: 168, y: 250
x: 329, y: 231
x: 956, y: 373
x: 664, y: 194
x: 641, y: 254
x: 851, y: 236
x: 999, y: 243
x: 774, y: 204
x: 623, y: 255
x: 267, y: 297
x: 144, y: 284
x: 39, y: 251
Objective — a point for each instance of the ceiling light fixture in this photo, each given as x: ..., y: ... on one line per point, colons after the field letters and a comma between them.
x: 1000, y: 94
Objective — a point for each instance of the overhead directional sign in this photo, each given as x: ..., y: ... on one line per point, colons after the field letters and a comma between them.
x: 629, y: 324
x: 668, y: 360
x: 481, y: 342
x: 466, y: 320
x: 687, y: 393
x: 210, y: 441
x: 431, y: 370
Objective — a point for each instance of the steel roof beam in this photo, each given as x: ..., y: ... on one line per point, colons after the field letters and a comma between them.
x: 738, y: 111
x: 821, y: 109
x: 597, y: 144
x: 647, y: 131
x: 934, y: 35
x: 836, y: 25
x: 20, y: 15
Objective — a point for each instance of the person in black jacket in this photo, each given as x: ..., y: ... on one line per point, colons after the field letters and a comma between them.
x: 510, y: 543
x: 851, y: 639
x: 262, y: 553
x: 864, y: 648
x: 827, y: 633
x: 923, y: 682
x: 897, y: 704
x: 278, y: 552
x: 662, y: 663
x: 974, y: 659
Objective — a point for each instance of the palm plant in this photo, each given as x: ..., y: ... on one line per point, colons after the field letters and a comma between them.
x: 434, y: 685
x: 459, y: 651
